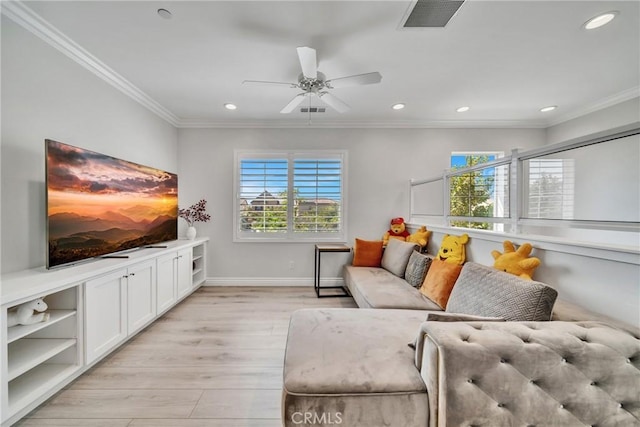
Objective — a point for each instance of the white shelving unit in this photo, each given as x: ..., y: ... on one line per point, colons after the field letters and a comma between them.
x: 41, y: 355
x: 85, y: 325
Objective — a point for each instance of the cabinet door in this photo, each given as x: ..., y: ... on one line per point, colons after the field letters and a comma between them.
x: 184, y: 272
x: 166, y: 293
x: 105, y: 313
x: 141, y: 295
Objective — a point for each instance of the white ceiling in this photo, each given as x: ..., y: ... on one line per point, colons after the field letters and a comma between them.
x: 504, y: 59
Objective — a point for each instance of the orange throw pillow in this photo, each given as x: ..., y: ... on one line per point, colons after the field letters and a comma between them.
x: 438, y: 284
x: 367, y: 253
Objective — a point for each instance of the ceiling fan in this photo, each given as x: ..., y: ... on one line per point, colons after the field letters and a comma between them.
x: 313, y: 82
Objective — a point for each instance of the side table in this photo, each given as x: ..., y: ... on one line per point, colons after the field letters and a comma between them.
x: 320, y: 248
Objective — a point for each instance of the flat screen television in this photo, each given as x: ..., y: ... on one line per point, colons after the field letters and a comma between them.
x: 99, y: 205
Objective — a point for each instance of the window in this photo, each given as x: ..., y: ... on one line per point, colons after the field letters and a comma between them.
x: 285, y: 196
x: 550, y: 188
x: 479, y: 193
x: 590, y: 183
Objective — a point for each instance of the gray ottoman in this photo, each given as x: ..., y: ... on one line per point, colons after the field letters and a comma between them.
x: 353, y: 367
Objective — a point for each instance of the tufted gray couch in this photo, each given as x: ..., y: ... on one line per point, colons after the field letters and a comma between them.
x: 353, y: 366
x: 530, y: 374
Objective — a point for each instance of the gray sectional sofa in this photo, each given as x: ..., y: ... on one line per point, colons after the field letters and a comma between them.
x: 492, y: 358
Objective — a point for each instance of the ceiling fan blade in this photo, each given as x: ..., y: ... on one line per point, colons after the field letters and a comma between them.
x: 265, y: 83
x: 293, y: 103
x: 308, y: 62
x: 334, y: 102
x: 359, y: 79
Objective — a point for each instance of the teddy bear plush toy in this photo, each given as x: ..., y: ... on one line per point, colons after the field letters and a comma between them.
x: 515, y: 261
x: 420, y: 237
x: 452, y: 249
x: 398, y: 230
x: 28, y: 313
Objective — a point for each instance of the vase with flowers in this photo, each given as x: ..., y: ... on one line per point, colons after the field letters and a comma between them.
x: 193, y: 214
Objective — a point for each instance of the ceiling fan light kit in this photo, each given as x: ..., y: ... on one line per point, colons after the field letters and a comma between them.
x: 313, y: 82
x: 600, y: 20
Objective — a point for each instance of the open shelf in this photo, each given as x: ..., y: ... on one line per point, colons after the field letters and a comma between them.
x: 28, y: 353
x: 26, y: 388
x: 19, y: 331
x: 198, y: 273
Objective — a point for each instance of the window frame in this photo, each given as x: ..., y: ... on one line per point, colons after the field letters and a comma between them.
x: 289, y: 236
x: 518, y: 223
x: 493, y: 222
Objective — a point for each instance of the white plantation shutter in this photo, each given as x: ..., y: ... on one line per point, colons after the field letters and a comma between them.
x: 263, y: 195
x: 290, y: 196
x: 318, y: 186
x: 550, y: 188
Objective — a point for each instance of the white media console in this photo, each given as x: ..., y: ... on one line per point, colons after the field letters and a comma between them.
x: 94, y: 307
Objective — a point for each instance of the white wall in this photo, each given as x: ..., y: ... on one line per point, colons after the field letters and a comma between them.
x: 606, y: 174
x: 47, y: 95
x: 621, y: 114
x: 380, y: 164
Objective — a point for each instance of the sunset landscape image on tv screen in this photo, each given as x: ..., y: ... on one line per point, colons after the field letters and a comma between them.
x: 97, y: 204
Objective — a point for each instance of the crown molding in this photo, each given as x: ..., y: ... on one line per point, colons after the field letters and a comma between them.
x: 601, y: 104
x: 22, y: 15
x: 432, y: 124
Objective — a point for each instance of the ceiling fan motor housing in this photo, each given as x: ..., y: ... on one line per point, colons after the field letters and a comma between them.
x: 312, y: 85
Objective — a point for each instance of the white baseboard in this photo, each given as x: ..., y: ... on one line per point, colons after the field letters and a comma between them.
x: 271, y: 281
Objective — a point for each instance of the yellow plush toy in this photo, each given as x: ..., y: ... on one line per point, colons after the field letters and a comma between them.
x: 452, y: 249
x: 398, y: 230
x: 516, y: 262
x: 420, y: 237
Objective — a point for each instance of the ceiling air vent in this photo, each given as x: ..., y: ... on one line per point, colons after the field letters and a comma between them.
x: 432, y: 13
x: 312, y: 109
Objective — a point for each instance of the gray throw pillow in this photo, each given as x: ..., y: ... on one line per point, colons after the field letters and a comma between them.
x: 417, y: 268
x: 396, y: 256
x: 485, y: 291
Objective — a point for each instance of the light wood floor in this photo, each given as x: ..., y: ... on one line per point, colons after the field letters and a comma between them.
x: 214, y: 360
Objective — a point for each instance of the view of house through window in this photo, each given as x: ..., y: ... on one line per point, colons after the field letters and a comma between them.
x: 290, y: 195
x: 550, y: 188
x: 479, y: 194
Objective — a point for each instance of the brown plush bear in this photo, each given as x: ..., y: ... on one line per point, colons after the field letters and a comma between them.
x: 398, y: 230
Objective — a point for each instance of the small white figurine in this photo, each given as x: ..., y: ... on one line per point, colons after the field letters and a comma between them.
x: 24, y: 313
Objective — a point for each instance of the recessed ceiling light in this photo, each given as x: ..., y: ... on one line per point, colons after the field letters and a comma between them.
x: 164, y: 13
x: 549, y: 108
x: 462, y: 109
x: 600, y: 20
x: 398, y: 106
x: 230, y: 106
